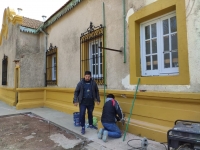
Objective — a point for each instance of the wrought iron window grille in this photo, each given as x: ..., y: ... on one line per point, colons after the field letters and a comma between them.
x: 91, y: 56
x: 51, y: 65
x: 4, y: 69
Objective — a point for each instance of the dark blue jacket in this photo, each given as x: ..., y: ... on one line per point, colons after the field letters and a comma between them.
x: 78, y: 93
x: 111, y: 111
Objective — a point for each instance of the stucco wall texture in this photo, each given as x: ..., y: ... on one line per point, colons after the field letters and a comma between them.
x: 29, y: 49
x: 65, y: 34
x: 193, y: 36
x: 8, y: 48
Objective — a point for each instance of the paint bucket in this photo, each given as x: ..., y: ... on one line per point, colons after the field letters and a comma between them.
x: 76, y: 116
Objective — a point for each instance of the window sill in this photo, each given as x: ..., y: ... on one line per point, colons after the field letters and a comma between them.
x: 162, y: 80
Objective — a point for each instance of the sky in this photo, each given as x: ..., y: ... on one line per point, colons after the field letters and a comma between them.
x: 34, y: 9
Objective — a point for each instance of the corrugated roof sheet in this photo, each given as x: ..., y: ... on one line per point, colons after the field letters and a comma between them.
x: 31, y: 23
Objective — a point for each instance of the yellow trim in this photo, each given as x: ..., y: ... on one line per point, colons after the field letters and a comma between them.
x: 151, y: 11
x: 8, y: 95
x: 9, y: 16
x: 30, y: 97
x: 153, y: 115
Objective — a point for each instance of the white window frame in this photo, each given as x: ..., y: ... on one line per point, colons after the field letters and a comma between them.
x: 161, y: 71
x: 100, y: 72
x: 54, y: 64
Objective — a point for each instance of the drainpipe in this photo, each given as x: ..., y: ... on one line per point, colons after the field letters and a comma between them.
x: 45, y: 49
x: 124, y: 15
x: 104, y: 58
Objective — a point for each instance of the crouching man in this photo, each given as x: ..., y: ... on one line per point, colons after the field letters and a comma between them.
x: 111, y: 111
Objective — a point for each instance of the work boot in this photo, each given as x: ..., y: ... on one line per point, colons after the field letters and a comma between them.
x: 105, y: 135
x: 83, y: 130
x: 92, y: 127
x: 100, y: 133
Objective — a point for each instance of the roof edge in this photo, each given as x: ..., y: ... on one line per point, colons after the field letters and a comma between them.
x: 27, y: 29
x: 59, y: 13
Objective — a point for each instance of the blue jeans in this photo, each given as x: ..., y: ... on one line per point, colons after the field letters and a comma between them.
x: 90, y: 109
x: 113, y: 130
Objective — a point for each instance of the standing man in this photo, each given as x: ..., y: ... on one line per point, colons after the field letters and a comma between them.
x: 85, y: 95
x: 111, y: 113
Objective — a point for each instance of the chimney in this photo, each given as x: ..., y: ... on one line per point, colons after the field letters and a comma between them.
x: 44, y: 18
x: 19, y: 11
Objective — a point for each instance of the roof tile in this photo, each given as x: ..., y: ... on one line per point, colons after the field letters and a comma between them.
x: 31, y: 23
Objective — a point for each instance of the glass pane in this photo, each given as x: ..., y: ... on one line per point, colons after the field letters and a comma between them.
x: 147, y: 47
x: 97, y: 69
x: 166, y: 43
x: 93, y: 70
x: 148, y: 62
x: 155, y: 62
x: 166, y: 60
x: 147, y: 32
x: 153, y: 30
x: 165, y: 27
x: 173, y: 24
x: 174, y: 41
x: 174, y: 59
x: 101, y: 69
x: 97, y: 58
x: 93, y: 50
x: 101, y: 57
x: 54, y: 61
x: 55, y: 73
x: 154, y: 46
x: 93, y: 59
x: 96, y: 47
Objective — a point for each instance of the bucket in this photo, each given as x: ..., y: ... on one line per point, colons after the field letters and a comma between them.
x: 76, y: 116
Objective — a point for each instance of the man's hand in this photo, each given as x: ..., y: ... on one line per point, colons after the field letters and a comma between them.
x: 75, y: 104
x: 123, y: 121
x: 98, y: 103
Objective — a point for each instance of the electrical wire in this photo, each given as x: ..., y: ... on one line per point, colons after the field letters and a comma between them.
x: 132, y: 146
x: 182, y: 146
x: 190, y: 9
x: 188, y: 5
x: 164, y: 145
x: 140, y: 148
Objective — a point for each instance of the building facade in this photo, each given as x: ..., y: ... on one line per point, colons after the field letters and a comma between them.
x: 120, y: 42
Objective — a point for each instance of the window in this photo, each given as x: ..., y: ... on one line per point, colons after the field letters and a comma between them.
x: 4, y: 70
x: 171, y: 67
x: 91, y: 53
x: 51, y: 65
x: 159, y: 48
x: 54, y: 67
x: 96, y: 59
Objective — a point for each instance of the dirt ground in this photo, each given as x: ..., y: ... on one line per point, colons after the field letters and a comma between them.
x: 30, y: 132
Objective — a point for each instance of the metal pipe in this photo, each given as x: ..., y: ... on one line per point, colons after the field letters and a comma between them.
x: 124, y: 31
x: 131, y: 110
x: 111, y: 49
x: 45, y: 44
x: 104, y: 52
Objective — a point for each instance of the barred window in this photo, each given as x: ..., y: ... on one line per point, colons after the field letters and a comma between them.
x: 51, y: 65
x: 91, y: 54
x: 4, y: 70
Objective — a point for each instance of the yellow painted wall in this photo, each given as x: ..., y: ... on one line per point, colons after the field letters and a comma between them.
x: 30, y: 98
x: 153, y: 115
x: 7, y: 95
